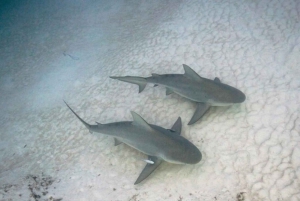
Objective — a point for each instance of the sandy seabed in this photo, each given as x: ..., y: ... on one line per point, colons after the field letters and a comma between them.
x: 55, y: 50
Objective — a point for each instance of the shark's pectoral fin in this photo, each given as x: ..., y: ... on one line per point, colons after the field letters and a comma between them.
x: 191, y: 73
x: 148, y: 169
x: 177, y: 126
x: 200, y: 111
x: 139, y: 121
x: 217, y: 80
x: 117, y: 142
x: 169, y: 91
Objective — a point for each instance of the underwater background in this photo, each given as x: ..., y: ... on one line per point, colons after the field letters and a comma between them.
x: 52, y: 51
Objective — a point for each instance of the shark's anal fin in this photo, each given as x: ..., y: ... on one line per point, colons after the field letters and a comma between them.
x: 148, y: 169
x: 200, y: 111
x: 217, y: 80
x: 191, y: 73
x: 117, y: 142
x: 169, y: 91
x: 139, y: 121
x: 177, y: 126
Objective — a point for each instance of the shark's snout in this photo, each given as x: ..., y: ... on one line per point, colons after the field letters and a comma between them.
x: 191, y: 155
x: 229, y: 95
x: 239, y: 97
x: 194, y: 157
x: 186, y: 154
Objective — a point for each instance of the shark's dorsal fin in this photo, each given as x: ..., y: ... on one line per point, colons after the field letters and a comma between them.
x: 149, y: 168
x: 139, y: 121
x: 217, y: 80
x: 177, y: 126
x: 117, y: 142
x: 155, y: 75
x: 191, y: 73
x: 169, y: 91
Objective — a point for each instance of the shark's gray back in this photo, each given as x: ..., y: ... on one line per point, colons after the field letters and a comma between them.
x: 152, y: 143
x: 204, y: 90
x: 150, y: 139
x: 183, y: 86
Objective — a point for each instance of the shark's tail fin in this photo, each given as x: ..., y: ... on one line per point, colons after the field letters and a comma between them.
x: 142, y: 82
x: 88, y: 126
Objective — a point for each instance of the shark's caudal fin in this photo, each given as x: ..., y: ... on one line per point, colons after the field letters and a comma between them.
x: 200, y: 111
x: 88, y: 126
x: 148, y: 169
x: 134, y: 80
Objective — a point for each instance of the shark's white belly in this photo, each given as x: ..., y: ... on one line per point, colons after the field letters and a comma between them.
x: 215, y: 103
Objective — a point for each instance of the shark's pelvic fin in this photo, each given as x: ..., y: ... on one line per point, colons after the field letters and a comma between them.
x: 169, y: 91
x: 155, y: 85
x: 134, y: 80
x: 117, y: 142
x: 217, y: 80
x: 148, y: 169
x: 191, y: 73
x: 88, y: 126
x: 200, y: 111
x: 139, y: 121
x: 177, y: 126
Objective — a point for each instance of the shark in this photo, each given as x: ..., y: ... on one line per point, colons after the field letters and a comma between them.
x: 158, y: 143
x: 205, y: 92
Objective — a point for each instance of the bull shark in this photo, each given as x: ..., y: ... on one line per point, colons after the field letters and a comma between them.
x: 203, y: 91
x: 158, y: 143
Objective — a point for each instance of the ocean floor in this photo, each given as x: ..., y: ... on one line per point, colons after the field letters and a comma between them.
x: 55, y: 50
